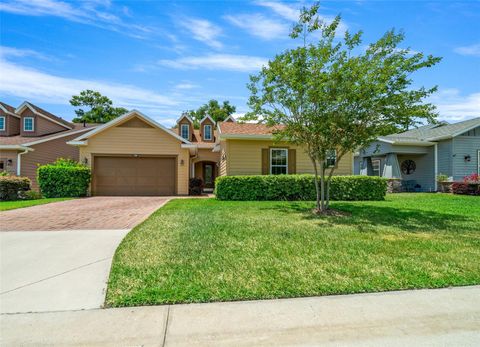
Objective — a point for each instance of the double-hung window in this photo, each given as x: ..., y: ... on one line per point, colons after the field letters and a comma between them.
x: 28, y: 124
x: 207, y: 132
x: 376, y: 167
x: 185, y: 131
x: 2, y: 123
x: 331, y: 158
x: 278, y: 161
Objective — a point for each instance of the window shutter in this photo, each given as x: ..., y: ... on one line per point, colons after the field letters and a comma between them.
x: 292, y: 161
x: 265, y: 161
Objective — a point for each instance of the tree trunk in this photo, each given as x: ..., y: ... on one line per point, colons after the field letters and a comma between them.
x: 327, y: 202
x: 317, y: 188
x: 322, y: 185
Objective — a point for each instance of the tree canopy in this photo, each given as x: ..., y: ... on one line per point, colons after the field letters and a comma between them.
x: 219, y: 112
x: 99, y: 107
x: 335, y: 95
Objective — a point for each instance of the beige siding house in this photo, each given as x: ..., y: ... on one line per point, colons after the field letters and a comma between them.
x: 134, y: 155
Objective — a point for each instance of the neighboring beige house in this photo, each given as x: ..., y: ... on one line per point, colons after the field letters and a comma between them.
x: 134, y: 155
x: 30, y: 136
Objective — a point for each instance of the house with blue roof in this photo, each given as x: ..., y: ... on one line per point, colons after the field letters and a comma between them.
x: 415, y: 157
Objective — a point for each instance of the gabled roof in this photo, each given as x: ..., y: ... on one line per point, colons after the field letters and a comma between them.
x: 185, y: 116
x: 247, y: 130
x: 432, y: 132
x: 8, y: 109
x: 119, y: 120
x: 32, y: 140
x: 45, y: 114
x: 230, y: 118
x: 207, y: 117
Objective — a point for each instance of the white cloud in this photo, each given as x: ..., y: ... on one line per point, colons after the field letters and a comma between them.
x: 243, y: 63
x: 30, y: 84
x: 292, y: 14
x: 6, y: 52
x: 261, y: 26
x: 86, y: 12
x: 452, y: 106
x: 186, y: 85
x: 288, y: 12
x: 203, y: 31
x: 469, y: 50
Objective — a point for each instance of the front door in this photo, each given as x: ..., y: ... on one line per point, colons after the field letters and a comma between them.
x: 208, y: 175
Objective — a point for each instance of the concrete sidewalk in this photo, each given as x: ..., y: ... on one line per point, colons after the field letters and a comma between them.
x: 422, y: 317
x: 55, y: 270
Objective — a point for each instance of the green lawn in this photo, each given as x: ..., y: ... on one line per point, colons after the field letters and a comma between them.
x: 199, y: 250
x: 10, y: 205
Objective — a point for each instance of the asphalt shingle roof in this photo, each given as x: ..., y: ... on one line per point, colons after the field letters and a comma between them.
x: 434, y: 131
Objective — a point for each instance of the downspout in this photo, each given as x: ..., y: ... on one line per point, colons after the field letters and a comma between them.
x: 19, y: 161
x: 436, y: 165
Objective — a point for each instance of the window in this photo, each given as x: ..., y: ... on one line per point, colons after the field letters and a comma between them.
x: 28, y: 124
x: 376, y: 167
x: 278, y: 161
x: 207, y: 132
x: 331, y: 157
x: 408, y: 167
x: 478, y: 161
x: 185, y: 131
x: 2, y: 123
x: 2, y: 165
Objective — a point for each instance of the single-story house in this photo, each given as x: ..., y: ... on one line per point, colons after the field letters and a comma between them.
x: 135, y: 155
x: 417, y: 156
x: 30, y: 136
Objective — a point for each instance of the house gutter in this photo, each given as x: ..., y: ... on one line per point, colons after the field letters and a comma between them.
x: 436, y: 166
x: 19, y: 160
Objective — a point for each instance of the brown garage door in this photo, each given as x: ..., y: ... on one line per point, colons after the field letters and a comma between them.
x: 123, y: 176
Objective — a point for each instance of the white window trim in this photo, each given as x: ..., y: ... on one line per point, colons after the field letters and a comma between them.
x: 270, y: 164
x: 188, y: 131
x: 4, y: 123
x: 379, y: 166
x: 33, y: 124
x: 326, y: 159
x: 209, y: 132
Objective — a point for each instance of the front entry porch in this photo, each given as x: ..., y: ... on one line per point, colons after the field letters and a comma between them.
x: 409, y: 172
x: 207, y: 171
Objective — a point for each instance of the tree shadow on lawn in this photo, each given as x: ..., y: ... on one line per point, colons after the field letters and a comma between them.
x: 366, y: 217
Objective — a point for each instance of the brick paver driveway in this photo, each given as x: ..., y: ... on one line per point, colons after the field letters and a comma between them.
x: 82, y: 214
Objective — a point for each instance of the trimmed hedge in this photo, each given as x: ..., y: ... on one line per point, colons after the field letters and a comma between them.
x: 13, y: 187
x: 64, y: 178
x: 298, y: 187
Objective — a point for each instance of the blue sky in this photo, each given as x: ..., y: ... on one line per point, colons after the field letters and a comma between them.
x: 164, y: 57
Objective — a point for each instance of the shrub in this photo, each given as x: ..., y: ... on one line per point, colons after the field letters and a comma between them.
x: 64, y: 178
x: 4, y: 173
x: 466, y: 188
x: 298, y: 187
x: 442, y: 177
x: 195, y: 186
x: 12, y: 187
x: 473, y: 178
x: 31, y: 195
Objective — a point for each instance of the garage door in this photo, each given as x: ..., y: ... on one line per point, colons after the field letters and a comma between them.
x: 123, y: 176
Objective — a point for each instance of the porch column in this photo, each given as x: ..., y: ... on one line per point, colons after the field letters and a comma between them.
x: 391, y: 169
x: 366, y: 168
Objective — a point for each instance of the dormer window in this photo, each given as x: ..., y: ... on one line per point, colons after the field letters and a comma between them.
x: 207, y: 132
x: 28, y: 124
x: 185, y: 131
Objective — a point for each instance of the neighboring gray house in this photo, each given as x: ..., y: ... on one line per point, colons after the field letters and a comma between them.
x: 417, y: 156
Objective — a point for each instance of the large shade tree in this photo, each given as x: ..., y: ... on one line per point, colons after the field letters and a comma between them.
x: 335, y: 95
x: 218, y: 112
x: 94, y: 107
